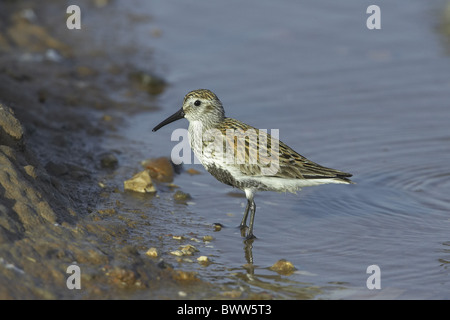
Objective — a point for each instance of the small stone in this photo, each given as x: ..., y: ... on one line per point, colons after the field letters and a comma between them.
x: 208, y: 238
x: 217, y: 226
x: 203, y: 259
x: 152, y: 252
x: 181, y: 196
x: 188, y: 249
x: 176, y: 253
x: 283, y: 267
x: 31, y: 171
x: 161, y: 169
x: 140, y: 182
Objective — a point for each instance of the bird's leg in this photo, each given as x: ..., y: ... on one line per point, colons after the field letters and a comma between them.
x: 250, y: 234
x: 243, y: 224
x: 249, y: 194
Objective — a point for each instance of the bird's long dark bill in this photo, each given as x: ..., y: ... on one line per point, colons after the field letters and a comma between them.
x: 176, y: 116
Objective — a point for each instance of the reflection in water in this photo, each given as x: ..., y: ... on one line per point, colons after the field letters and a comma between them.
x: 270, y: 283
x: 248, y: 246
x: 445, y: 261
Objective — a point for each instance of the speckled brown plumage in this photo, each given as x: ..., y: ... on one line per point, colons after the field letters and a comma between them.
x: 291, y: 164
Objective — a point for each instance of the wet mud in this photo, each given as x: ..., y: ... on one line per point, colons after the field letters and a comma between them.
x: 57, y: 205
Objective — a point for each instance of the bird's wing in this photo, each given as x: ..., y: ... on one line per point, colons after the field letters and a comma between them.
x: 257, y: 153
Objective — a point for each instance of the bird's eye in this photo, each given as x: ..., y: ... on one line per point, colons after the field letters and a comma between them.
x: 197, y: 103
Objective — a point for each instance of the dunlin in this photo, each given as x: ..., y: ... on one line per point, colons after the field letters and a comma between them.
x: 244, y: 157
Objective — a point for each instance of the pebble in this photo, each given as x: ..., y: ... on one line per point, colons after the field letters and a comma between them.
x: 283, y: 267
x: 31, y: 171
x: 140, y: 182
x: 207, y: 238
x: 161, y: 169
x: 101, y: 184
x: 188, y: 249
x: 203, y: 259
x: 12, y: 128
x: 181, y: 196
x: 176, y: 253
x: 152, y: 252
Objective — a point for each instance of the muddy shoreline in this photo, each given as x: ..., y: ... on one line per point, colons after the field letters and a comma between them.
x: 55, y: 110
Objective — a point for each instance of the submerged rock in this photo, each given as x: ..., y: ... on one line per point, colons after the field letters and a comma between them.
x: 181, y: 196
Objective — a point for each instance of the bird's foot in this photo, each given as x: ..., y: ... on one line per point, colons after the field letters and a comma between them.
x: 250, y: 236
x: 242, y: 226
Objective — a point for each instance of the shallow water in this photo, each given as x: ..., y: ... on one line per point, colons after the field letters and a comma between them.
x: 371, y: 102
